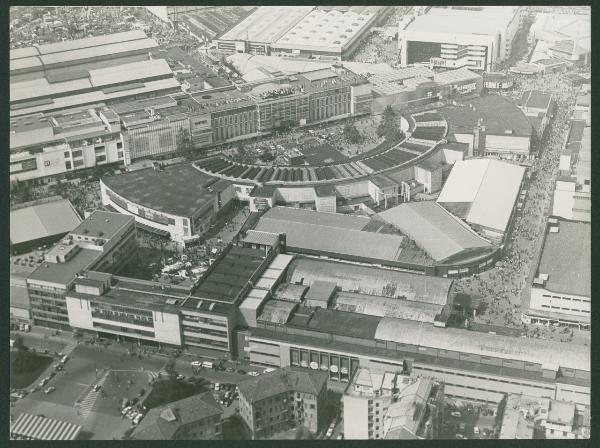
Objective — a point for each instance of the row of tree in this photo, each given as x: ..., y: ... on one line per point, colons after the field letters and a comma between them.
x: 389, y: 128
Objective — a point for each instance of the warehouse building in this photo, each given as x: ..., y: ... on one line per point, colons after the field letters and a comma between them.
x: 456, y: 249
x: 328, y: 31
x: 178, y: 200
x: 484, y: 193
x: 49, y: 146
x: 561, y: 289
x: 454, y: 37
x: 38, y: 223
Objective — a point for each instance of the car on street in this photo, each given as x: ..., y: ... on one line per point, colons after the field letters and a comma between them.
x: 329, y: 432
x: 181, y: 377
x: 42, y: 383
x: 460, y: 436
x: 34, y: 389
x: 253, y: 373
x: 229, y: 369
x: 50, y: 390
x: 96, y: 387
x: 456, y: 414
x: 476, y: 430
x: 196, y: 363
x: 137, y: 418
x: 269, y: 370
x: 125, y: 410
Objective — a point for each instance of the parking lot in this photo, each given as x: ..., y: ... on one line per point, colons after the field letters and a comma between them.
x: 471, y: 422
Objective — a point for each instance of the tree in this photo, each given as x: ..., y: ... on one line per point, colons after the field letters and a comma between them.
x: 170, y: 367
x: 19, y: 345
x: 185, y: 146
x: 351, y: 134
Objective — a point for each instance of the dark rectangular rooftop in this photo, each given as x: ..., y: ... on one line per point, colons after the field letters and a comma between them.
x: 339, y: 322
x: 101, y: 222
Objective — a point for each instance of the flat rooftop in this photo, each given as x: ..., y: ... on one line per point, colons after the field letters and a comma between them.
x: 42, y: 220
x: 327, y: 30
x: 64, y: 273
x: 338, y: 322
x: 485, y: 21
x: 499, y: 115
x: 177, y: 189
x: 229, y: 274
x: 267, y: 24
x: 566, y: 259
x: 140, y: 294
x: 103, y: 223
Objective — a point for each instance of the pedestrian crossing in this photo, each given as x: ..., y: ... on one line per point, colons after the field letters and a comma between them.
x: 154, y: 375
x: 86, y: 405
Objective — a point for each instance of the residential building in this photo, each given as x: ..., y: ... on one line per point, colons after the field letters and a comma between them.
x: 276, y: 401
x: 194, y: 418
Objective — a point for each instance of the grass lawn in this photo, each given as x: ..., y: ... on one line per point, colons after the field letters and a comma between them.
x: 31, y: 368
x: 167, y: 391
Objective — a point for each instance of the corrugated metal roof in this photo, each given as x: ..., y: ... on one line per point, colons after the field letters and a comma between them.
x: 262, y: 238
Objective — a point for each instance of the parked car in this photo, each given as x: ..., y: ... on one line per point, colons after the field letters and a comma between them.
x: 196, y: 363
x: 329, y: 432
x: 138, y: 418
x: 96, y: 387
x: 253, y: 373
x: 42, y: 383
x: 229, y: 369
x: 269, y: 370
x: 181, y: 377
x: 460, y: 436
x: 50, y: 390
x: 217, y: 386
x: 476, y: 430
x: 456, y: 414
x: 125, y: 410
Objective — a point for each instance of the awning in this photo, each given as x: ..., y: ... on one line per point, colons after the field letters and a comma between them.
x: 151, y: 229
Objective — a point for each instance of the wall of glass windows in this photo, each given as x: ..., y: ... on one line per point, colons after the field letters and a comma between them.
x: 340, y: 367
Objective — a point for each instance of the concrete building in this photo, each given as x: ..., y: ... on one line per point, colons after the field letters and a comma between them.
x: 572, y: 192
x: 48, y: 146
x: 276, y: 401
x: 389, y: 405
x: 562, y: 36
x: 41, y: 222
x: 104, y: 241
x: 524, y: 417
x: 194, y: 418
x: 454, y: 37
x: 560, y: 293
x: 484, y: 193
x: 160, y: 199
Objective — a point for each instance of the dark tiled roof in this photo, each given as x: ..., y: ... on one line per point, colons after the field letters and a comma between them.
x: 282, y: 381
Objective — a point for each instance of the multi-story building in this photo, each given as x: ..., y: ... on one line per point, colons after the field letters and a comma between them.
x: 45, y: 147
x: 567, y: 421
x: 160, y: 199
x: 104, y: 241
x: 561, y: 289
x: 194, y: 418
x: 538, y: 107
x: 454, y: 37
x: 285, y: 398
x: 572, y: 193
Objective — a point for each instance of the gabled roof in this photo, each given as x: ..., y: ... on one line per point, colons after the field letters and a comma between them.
x: 162, y: 423
x: 490, y: 186
x: 282, y: 381
x: 435, y: 230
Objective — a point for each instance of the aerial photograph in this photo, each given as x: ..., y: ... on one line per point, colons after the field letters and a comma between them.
x: 300, y: 222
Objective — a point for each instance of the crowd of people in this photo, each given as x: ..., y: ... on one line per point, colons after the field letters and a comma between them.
x: 503, y: 288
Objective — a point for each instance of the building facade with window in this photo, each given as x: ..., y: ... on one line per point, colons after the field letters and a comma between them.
x: 45, y: 147
x: 280, y: 400
x: 104, y: 241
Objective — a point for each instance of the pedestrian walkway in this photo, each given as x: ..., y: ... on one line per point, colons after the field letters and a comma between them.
x: 86, y: 405
x: 69, y: 347
x: 154, y: 375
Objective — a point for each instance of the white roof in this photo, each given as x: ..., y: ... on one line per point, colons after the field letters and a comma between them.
x: 537, y: 351
x: 323, y: 29
x: 267, y: 24
x: 491, y: 186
